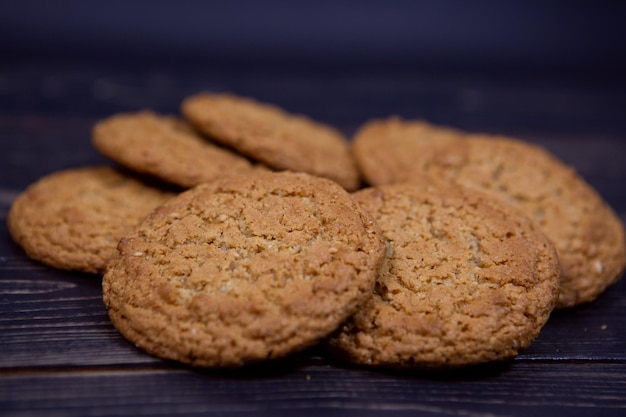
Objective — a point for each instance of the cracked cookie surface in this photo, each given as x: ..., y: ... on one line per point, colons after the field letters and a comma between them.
x: 167, y: 148
x: 588, y: 235
x: 274, y: 137
x: 244, y: 269
x: 73, y: 219
x: 467, y: 280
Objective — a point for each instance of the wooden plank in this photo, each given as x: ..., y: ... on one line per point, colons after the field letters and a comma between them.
x: 60, y: 317
x: 54, y: 318
x: 558, y: 389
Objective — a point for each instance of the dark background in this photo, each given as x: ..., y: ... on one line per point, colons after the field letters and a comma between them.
x: 512, y: 67
x: 568, y: 37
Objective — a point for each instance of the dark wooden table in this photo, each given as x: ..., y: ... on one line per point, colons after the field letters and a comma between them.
x: 60, y: 355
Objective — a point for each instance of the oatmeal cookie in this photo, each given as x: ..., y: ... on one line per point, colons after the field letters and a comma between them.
x: 467, y: 280
x: 166, y: 148
x: 74, y: 219
x: 272, y: 136
x: 244, y: 269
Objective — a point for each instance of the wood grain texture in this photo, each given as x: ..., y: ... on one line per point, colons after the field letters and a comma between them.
x: 61, y: 319
x: 60, y: 355
x: 520, y: 390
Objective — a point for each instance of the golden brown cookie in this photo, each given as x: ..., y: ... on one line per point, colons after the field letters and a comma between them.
x: 166, y: 148
x: 588, y: 235
x: 467, y: 280
x: 385, y: 149
x: 243, y: 269
x: 74, y: 219
x: 276, y: 138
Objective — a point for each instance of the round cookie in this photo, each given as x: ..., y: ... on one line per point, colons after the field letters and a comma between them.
x: 467, y: 280
x: 74, y: 219
x: 276, y: 138
x: 588, y: 235
x: 243, y: 269
x: 166, y: 148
